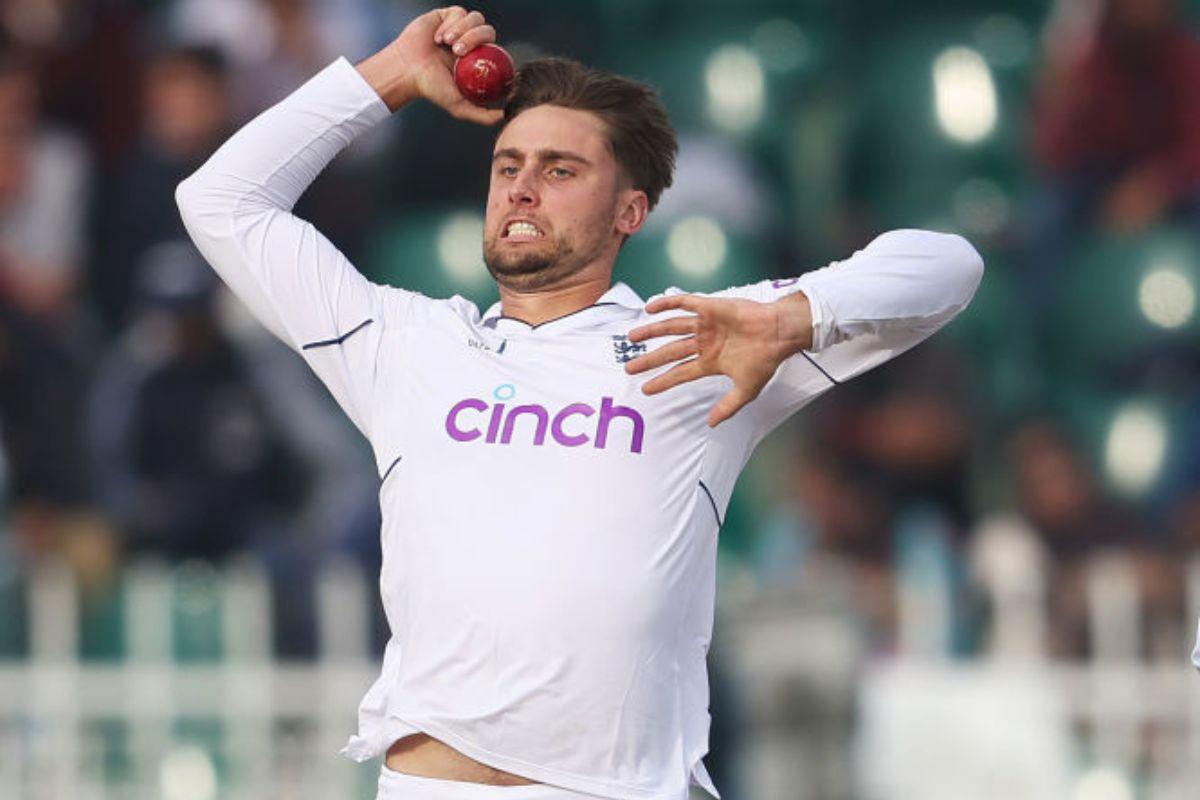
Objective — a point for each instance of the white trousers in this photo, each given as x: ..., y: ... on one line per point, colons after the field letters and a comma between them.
x: 400, y: 786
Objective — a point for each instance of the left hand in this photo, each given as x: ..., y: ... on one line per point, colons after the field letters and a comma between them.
x: 743, y: 339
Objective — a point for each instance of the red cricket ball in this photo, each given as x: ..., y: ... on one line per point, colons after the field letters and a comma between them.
x: 485, y: 75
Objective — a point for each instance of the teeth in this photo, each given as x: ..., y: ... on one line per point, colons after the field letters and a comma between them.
x: 523, y: 229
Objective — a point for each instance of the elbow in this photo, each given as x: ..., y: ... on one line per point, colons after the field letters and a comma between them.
x: 969, y: 260
x: 189, y: 199
x: 972, y: 268
x: 967, y: 264
x: 204, y: 206
x: 952, y: 254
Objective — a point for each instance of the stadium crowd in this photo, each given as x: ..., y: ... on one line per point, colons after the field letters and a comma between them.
x: 142, y: 413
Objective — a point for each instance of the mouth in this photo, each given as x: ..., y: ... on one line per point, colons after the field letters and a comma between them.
x: 521, y: 230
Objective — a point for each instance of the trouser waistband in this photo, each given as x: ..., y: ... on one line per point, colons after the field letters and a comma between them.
x: 401, y: 786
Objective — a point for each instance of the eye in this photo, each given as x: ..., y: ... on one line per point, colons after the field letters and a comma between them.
x: 561, y: 172
x: 508, y: 171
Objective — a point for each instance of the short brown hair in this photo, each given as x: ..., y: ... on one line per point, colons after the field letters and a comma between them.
x: 639, y: 132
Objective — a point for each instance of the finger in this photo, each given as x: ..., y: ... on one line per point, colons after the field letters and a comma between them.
x: 480, y: 34
x: 453, y: 32
x: 689, y: 301
x: 727, y: 406
x: 680, y: 373
x: 674, y: 351
x: 449, y: 16
x: 469, y: 112
x: 668, y: 327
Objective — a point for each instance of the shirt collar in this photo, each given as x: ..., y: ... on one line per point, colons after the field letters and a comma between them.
x: 618, y: 295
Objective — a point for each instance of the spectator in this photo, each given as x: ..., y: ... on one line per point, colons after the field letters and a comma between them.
x: 1116, y: 110
x: 187, y: 114
x: 40, y: 385
x: 43, y: 172
x: 1077, y: 521
x: 910, y: 429
x: 834, y: 533
x: 899, y: 441
x: 191, y: 465
x: 43, y: 180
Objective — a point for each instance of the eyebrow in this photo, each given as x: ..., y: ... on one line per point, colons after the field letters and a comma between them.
x: 543, y: 155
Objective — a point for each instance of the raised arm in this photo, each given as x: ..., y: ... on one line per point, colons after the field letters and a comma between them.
x: 237, y: 206
x: 785, y: 341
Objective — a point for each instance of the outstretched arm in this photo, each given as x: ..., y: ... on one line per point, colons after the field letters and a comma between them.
x: 811, y: 332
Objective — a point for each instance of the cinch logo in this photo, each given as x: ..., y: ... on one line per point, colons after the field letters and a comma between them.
x: 569, y: 426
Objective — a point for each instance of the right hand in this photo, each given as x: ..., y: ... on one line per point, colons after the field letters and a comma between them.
x: 420, y: 63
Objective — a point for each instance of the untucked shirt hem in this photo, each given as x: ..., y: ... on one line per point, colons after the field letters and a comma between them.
x: 364, y: 748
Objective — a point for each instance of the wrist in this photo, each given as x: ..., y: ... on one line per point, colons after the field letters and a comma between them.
x: 389, y: 74
x: 793, y: 324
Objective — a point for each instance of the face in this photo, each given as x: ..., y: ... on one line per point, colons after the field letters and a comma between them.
x: 557, y: 205
x: 186, y: 109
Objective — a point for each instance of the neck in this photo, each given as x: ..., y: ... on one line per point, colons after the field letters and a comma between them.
x: 553, y: 302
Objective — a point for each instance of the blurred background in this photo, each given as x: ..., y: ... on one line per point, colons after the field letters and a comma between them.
x: 971, y: 573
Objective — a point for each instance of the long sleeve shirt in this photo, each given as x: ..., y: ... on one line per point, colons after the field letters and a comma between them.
x: 549, y: 531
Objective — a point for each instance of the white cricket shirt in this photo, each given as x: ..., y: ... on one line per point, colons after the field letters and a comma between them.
x: 549, y: 532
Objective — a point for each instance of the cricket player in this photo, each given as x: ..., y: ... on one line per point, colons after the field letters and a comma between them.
x: 554, y: 470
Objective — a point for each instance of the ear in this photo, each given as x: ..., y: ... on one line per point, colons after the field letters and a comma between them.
x: 631, y: 211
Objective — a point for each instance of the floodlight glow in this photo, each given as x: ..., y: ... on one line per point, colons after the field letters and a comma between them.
x: 460, y: 247
x: 736, y: 88
x: 696, y: 246
x: 1135, y: 448
x: 1167, y: 298
x: 1102, y: 783
x: 964, y: 95
x: 187, y: 773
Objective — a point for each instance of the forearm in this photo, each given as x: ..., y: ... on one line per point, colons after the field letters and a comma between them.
x: 277, y: 155
x: 389, y: 74
x: 903, y: 281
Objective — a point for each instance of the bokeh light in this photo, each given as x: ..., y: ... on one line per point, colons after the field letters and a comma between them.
x: 696, y: 246
x: 736, y: 88
x: 964, y: 95
x: 1102, y: 783
x: 187, y: 773
x: 460, y: 247
x: 1135, y: 448
x: 1167, y: 298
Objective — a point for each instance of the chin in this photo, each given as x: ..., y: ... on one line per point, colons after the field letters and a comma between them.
x: 520, y: 264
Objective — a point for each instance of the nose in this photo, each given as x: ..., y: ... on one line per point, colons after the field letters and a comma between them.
x: 523, y: 190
